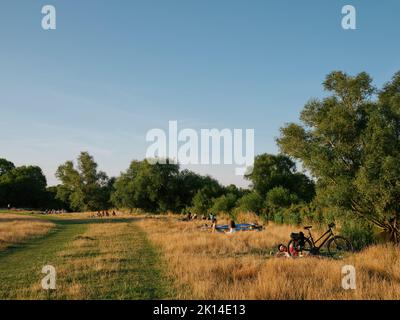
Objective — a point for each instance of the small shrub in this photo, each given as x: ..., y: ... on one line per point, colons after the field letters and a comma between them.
x: 250, y: 202
x: 292, y: 216
x: 248, y: 217
x: 361, y: 234
x: 224, y: 203
x: 280, y: 197
x: 278, y: 217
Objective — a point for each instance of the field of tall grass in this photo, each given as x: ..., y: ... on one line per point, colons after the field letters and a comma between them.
x: 159, y: 256
x: 242, y: 265
x: 15, y: 229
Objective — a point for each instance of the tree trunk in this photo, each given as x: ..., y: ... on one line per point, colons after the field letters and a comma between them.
x: 393, y: 229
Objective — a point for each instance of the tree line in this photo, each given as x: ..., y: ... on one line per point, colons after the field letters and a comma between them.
x: 348, y: 143
x: 153, y: 187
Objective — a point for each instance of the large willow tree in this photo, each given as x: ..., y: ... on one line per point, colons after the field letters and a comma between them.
x: 350, y: 142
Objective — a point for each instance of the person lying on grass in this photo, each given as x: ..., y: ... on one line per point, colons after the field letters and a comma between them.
x: 232, y: 227
x: 282, y: 251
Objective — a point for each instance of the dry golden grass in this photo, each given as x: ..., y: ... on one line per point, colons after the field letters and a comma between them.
x: 17, y: 228
x: 239, y: 266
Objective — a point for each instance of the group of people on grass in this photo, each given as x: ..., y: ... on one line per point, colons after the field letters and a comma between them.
x: 104, y: 213
x: 189, y: 216
x: 282, y: 250
x: 52, y: 211
x: 230, y: 228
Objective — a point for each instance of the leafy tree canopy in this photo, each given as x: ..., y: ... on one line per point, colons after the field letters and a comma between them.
x: 272, y: 171
x: 23, y: 186
x: 350, y: 143
x: 5, y: 166
x: 84, y: 187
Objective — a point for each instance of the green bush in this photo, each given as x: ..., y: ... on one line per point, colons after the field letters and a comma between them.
x: 292, y: 215
x: 250, y: 202
x: 361, y: 234
x: 278, y: 217
x: 224, y: 203
x: 280, y: 197
x: 201, y: 203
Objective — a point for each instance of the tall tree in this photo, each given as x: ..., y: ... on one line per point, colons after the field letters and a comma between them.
x: 204, y: 198
x: 23, y: 186
x: 152, y: 187
x: 272, y: 171
x: 351, y: 144
x: 5, y: 166
x: 161, y: 187
x: 84, y: 188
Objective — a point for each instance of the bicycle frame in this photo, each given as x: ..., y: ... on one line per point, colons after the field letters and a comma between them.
x: 328, y: 233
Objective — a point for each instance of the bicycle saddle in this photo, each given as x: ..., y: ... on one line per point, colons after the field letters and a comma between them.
x: 307, y: 227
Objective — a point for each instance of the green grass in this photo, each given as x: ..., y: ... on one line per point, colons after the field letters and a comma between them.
x: 140, y: 275
x: 21, y: 266
x: 71, y: 248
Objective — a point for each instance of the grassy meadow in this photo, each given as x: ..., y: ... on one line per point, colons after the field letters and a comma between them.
x: 14, y: 229
x: 161, y: 257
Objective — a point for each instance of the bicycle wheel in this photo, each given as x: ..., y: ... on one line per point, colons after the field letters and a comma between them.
x: 295, y: 249
x: 338, y: 245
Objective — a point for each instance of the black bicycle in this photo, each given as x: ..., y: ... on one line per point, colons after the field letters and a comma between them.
x: 303, y: 245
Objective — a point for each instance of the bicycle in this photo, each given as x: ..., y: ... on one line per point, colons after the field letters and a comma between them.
x: 336, y: 245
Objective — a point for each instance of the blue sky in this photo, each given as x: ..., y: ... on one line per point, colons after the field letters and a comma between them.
x: 115, y: 69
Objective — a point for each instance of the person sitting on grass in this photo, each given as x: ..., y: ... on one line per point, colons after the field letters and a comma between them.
x: 214, y: 225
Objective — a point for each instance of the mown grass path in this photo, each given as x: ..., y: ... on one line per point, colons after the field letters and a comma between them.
x: 94, y: 259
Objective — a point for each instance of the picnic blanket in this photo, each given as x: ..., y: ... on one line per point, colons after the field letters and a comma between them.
x: 240, y: 227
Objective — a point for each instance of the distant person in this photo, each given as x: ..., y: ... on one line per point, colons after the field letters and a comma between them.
x: 214, y: 225
x: 9, y: 206
x: 282, y: 251
x: 113, y: 213
x: 107, y: 214
x: 232, y: 227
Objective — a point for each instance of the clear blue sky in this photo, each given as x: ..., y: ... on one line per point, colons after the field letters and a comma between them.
x: 115, y: 69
